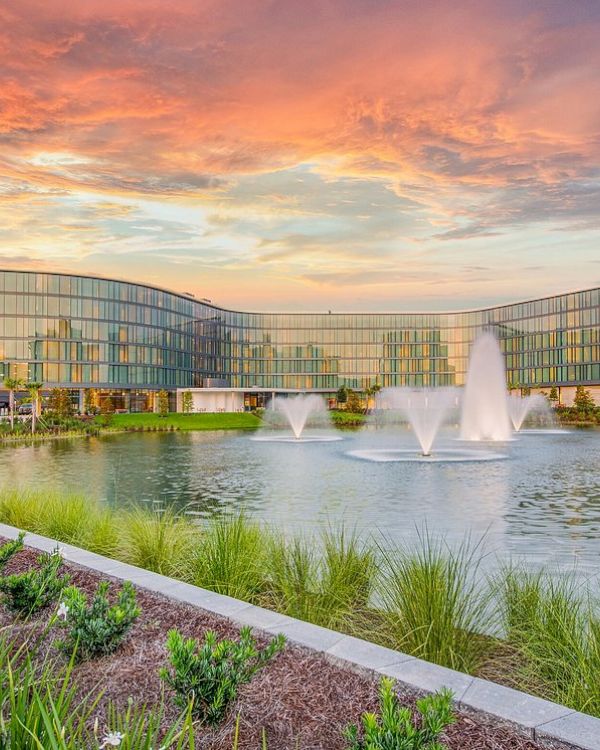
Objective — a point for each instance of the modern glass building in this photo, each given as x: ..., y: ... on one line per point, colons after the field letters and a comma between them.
x: 131, y: 340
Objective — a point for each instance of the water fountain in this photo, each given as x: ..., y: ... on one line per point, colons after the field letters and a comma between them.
x: 519, y: 407
x: 296, y: 411
x: 522, y: 407
x: 425, y: 409
x: 484, y: 405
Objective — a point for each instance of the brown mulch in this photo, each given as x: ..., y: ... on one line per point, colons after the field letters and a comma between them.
x: 300, y: 699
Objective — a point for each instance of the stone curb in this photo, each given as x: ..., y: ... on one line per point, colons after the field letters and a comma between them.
x: 553, y: 725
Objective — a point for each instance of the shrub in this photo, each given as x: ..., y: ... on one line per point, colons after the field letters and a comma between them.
x: 98, y: 628
x: 10, y: 549
x: 29, y: 592
x: 396, y: 729
x: 210, y: 674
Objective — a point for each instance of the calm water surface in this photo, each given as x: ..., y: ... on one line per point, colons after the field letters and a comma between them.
x: 542, y: 503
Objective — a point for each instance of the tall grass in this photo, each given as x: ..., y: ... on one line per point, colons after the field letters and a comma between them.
x: 328, y: 583
x: 68, y: 518
x: 433, y: 607
x: 291, y: 570
x: 162, y: 542
x: 230, y: 559
x: 555, y: 628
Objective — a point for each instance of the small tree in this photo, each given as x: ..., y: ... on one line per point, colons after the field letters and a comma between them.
x: 553, y: 395
x: 12, y: 385
x: 353, y: 403
x: 90, y: 400
x: 187, y: 402
x: 370, y: 392
x: 163, y: 403
x: 342, y: 395
x: 107, y: 409
x: 35, y: 390
x: 60, y: 403
x: 584, y: 401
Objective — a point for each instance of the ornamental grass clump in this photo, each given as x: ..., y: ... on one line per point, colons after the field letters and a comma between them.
x: 208, y: 675
x: 396, y: 728
x: 98, y: 628
x: 554, y: 626
x: 162, y: 542
x: 230, y: 558
x: 26, y: 593
x: 346, y: 585
x: 10, y: 549
x: 292, y: 575
x: 434, y: 607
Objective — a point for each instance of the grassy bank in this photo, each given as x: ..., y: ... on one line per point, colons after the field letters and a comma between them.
x: 185, y: 422
x: 541, y: 636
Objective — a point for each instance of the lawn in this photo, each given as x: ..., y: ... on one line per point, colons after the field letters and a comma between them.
x: 238, y: 421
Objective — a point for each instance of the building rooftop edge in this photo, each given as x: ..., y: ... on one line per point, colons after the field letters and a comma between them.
x: 191, y: 298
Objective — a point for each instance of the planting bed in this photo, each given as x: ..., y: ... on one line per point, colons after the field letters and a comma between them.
x: 301, y: 700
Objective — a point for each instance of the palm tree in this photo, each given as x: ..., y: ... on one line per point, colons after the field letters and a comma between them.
x: 34, y: 393
x: 12, y: 385
x: 370, y: 392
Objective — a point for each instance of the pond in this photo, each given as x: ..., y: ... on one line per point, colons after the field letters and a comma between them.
x: 540, y: 503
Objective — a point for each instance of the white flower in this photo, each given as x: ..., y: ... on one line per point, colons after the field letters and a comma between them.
x: 60, y: 551
x: 62, y: 611
x: 112, y: 739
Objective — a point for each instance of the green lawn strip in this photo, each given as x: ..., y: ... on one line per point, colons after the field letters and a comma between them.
x: 185, y: 422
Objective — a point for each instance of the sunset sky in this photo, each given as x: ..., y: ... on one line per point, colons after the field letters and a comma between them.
x: 305, y: 154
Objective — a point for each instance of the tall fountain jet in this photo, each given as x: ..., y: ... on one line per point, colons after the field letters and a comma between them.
x: 484, y: 407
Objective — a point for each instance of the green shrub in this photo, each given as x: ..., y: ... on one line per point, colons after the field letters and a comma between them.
x: 98, y: 628
x: 210, y: 674
x: 230, y: 558
x: 29, y: 592
x: 395, y: 728
x: 8, y: 550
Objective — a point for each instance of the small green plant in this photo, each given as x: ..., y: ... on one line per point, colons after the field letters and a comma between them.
x: 396, y: 729
x: 98, y: 628
x: 26, y: 593
x: 209, y: 675
x: 10, y: 549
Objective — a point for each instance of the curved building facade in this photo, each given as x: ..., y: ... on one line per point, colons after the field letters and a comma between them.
x: 82, y: 332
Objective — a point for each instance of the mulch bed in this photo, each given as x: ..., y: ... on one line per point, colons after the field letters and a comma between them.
x: 302, y: 701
